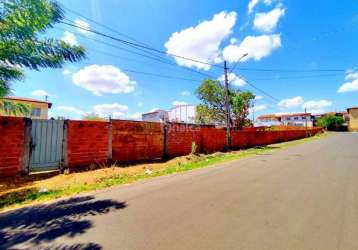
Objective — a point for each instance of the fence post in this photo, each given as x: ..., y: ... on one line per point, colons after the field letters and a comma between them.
x: 166, y: 127
x: 26, y: 157
x: 64, y: 162
x: 110, y: 136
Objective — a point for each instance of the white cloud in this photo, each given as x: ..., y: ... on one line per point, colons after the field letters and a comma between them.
x: 257, y: 47
x: 84, y: 26
x: 140, y: 104
x: 39, y: 92
x: 201, y: 42
x: 253, y: 3
x: 267, y: 22
x: 178, y: 103
x: 349, y: 87
x: 103, y: 79
x: 233, y: 79
x: 258, y: 97
x: 257, y: 108
x: 351, y: 75
x: 71, y: 110
x: 66, y: 72
x: 292, y: 102
x: 316, y: 105
x: 113, y: 110
x: 352, y: 85
x: 69, y: 38
x: 185, y: 93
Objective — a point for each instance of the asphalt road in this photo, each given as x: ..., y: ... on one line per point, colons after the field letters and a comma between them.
x: 302, y: 197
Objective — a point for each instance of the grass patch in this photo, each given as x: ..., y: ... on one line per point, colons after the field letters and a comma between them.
x: 76, y: 183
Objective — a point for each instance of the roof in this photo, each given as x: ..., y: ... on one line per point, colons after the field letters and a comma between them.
x: 26, y: 99
x: 352, y: 108
x: 295, y: 114
x: 183, y: 105
x: 153, y: 112
x: 269, y: 116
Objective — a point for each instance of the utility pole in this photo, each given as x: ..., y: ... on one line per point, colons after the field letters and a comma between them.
x: 227, y: 108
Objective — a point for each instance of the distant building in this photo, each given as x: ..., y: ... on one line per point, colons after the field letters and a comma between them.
x: 156, y: 116
x: 183, y: 113
x: 353, y: 119
x: 297, y: 119
x: 38, y: 109
x: 268, y: 120
x: 294, y: 119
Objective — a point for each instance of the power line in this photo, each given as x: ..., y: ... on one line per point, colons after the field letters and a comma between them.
x: 154, y: 57
x: 152, y: 74
x: 136, y: 45
x: 102, y: 25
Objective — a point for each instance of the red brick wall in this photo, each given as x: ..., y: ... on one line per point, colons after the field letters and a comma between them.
x: 213, y: 139
x: 12, y: 132
x: 133, y: 141
x: 181, y: 137
x: 87, y: 142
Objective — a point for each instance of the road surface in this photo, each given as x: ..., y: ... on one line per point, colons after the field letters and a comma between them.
x: 302, y: 197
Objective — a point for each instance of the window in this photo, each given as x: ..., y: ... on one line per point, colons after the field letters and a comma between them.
x: 295, y: 118
x: 36, y: 112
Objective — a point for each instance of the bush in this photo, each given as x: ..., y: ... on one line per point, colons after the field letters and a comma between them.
x: 330, y: 122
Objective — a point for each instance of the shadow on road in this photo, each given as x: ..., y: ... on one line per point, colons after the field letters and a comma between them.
x: 44, y: 223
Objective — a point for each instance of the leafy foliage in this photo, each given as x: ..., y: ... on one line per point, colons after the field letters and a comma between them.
x: 93, y: 117
x: 21, y: 23
x: 240, y: 108
x: 330, y: 122
x: 212, y: 109
x: 15, y: 108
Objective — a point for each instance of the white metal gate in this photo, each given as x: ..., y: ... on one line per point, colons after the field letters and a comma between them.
x: 47, y: 143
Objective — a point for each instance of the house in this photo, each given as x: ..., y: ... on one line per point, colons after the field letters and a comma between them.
x: 268, y: 120
x: 180, y: 113
x: 38, y: 109
x: 297, y: 119
x: 353, y: 119
x: 183, y: 113
x: 156, y: 116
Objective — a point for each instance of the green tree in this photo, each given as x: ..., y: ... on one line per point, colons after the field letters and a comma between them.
x: 330, y: 122
x: 212, y: 109
x: 240, y: 108
x: 93, y: 117
x: 22, y: 42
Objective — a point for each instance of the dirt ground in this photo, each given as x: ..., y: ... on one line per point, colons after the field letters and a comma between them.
x: 53, y: 180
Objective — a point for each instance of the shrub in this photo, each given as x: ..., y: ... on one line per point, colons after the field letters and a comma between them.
x: 330, y: 122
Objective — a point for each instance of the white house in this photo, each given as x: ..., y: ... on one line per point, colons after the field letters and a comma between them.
x: 297, y: 119
x: 183, y: 113
x: 155, y: 116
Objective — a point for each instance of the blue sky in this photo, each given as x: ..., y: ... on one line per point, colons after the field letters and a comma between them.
x: 296, y: 40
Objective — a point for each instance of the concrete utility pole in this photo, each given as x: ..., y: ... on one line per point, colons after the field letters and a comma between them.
x: 227, y: 102
x: 227, y: 108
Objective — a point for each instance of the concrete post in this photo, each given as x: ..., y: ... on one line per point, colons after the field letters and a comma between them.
x: 110, y: 136
x: 26, y: 157
x: 64, y: 162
